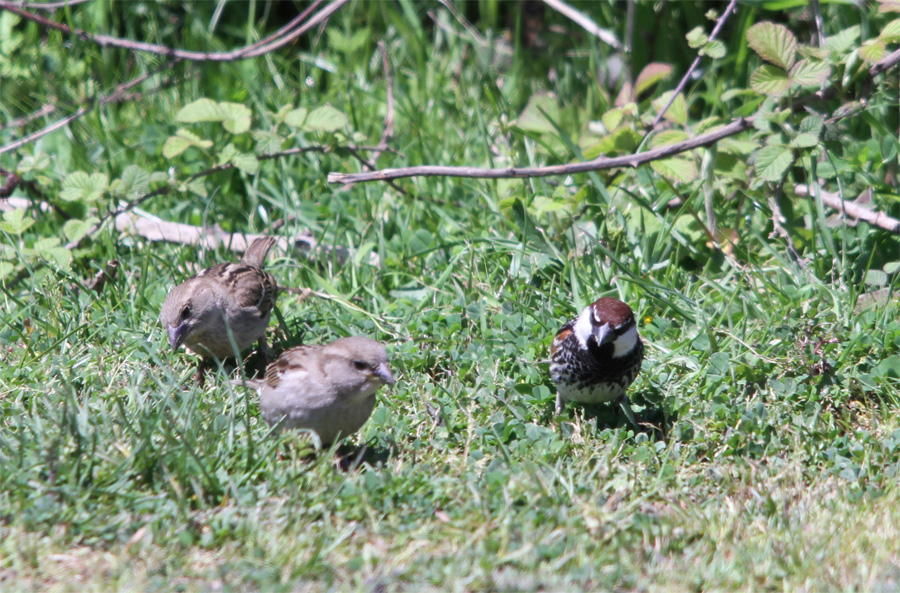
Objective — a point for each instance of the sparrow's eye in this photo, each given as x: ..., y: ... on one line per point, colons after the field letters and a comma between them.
x: 186, y: 312
x: 360, y: 365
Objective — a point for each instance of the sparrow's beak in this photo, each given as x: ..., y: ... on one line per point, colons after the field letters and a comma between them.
x: 384, y: 373
x: 603, y: 334
x: 176, y: 334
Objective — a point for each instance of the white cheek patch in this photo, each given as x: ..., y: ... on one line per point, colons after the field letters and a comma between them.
x: 624, y: 344
x: 583, y: 327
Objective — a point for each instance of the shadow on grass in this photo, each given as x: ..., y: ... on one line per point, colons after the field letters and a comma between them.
x: 650, y: 417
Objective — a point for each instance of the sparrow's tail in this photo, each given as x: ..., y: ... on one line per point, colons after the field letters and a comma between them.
x: 258, y: 250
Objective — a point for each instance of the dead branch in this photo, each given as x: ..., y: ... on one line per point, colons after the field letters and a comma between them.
x: 288, y: 34
x: 600, y: 163
x: 852, y: 209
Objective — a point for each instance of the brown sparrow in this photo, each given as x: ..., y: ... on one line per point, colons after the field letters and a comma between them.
x: 597, y: 355
x: 328, y: 389
x: 226, y: 303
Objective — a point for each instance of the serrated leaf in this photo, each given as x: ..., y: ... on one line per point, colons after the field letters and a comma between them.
x: 667, y: 137
x: 199, y: 110
x: 841, y: 41
x: 696, y: 37
x: 279, y: 115
x: 268, y: 142
x: 75, y: 229
x: 247, y: 163
x: 15, y: 222
x: 714, y: 49
x: 676, y: 168
x: 773, y: 161
x: 774, y: 43
x: 181, y: 141
x: 134, y: 182
x: 6, y: 269
x: 891, y: 32
x: 296, y: 117
x: 805, y: 141
x: 872, y: 50
x: 812, y: 124
x: 612, y: 118
x: 236, y: 118
x: 770, y: 80
x: 737, y: 146
x: 533, y: 120
x: 197, y: 187
x: 651, y: 74
x: 677, y: 113
x: 325, y: 119
x: 48, y: 248
x: 79, y: 186
x: 876, y: 278
x: 809, y: 73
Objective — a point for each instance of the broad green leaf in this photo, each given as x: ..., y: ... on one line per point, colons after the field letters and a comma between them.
x: 889, y: 367
x: 651, y: 74
x: 805, y: 140
x: 6, y: 269
x: 891, y: 267
x: 812, y: 124
x: 181, y: 141
x: 769, y: 80
x: 325, y: 119
x: 677, y: 113
x: 872, y: 50
x: 199, y: 110
x: 79, y: 186
x: 76, y: 228
x: 809, y: 73
x: 15, y: 222
x: 226, y: 154
x: 134, y: 182
x: 247, y: 163
x: 773, y: 161
x: 696, y: 37
x: 347, y: 43
x: 891, y: 32
x: 533, y: 120
x: 236, y: 118
x: 197, y: 187
x: 876, y: 278
x: 714, y: 49
x: 667, y: 137
x: 841, y: 41
x: 612, y: 118
x: 774, y: 43
x: 279, y: 115
x: 267, y: 142
x: 297, y: 117
x: 677, y: 169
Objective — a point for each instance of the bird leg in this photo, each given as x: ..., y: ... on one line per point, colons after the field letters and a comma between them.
x: 559, y: 403
x: 201, y: 372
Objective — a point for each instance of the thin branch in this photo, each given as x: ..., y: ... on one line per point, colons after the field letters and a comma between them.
x: 600, y: 163
x: 251, y: 51
x: 683, y: 82
x: 852, y: 209
x: 48, y: 6
x: 820, y: 22
x: 585, y: 22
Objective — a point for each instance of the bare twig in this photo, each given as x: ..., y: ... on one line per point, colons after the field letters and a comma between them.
x: 45, y: 109
x: 600, y: 163
x: 820, y: 22
x: 251, y: 51
x: 49, y: 6
x: 694, y: 64
x: 585, y: 22
x: 854, y: 210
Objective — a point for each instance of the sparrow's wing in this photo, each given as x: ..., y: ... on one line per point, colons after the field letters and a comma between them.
x: 297, y: 366
x: 249, y: 286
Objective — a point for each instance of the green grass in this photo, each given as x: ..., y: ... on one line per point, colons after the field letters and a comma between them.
x: 753, y: 469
